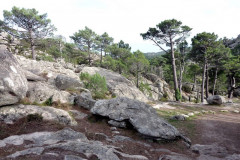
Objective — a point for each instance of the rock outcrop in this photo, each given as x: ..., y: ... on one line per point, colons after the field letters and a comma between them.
x: 140, y: 115
x: 10, y: 114
x: 85, y: 100
x: 48, y: 70
x: 159, y: 88
x: 216, y: 99
x: 64, y: 82
x: 40, y: 92
x: 13, y: 83
x: 117, y: 84
x: 73, y: 145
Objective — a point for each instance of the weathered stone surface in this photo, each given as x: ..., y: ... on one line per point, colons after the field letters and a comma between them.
x: 159, y: 88
x: 174, y: 157
x: 216, y: 99
x: 72, y: 157
x: 30, y: 151
x: 64, y: 82
x: 66, y: 140
x: 142, y: 116
x: 84, y: 99
x: 178, y: 117
x: 211, y: 150
x: 117, y: 84
x: 11, y: 114
x: 117, y: 124
x: 50, y: 70
x: 78, y: 114
x: 32, y: 77
x: 13, y: 83
x: 40, y: 92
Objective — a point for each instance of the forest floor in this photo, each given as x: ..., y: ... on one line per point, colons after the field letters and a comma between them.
x: 210, y: 125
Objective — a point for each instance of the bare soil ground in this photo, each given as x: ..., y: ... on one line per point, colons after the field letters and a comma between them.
x: 221, y: 128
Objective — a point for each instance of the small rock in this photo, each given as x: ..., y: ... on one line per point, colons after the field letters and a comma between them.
x: 224, y: 110
x: 203, y: 111
x: 117, y: 124
x: 113, y: 128
x: 190, y: 114
x: 212, y: 112
x: 196, y: 112
x: 115, y: 132
x: 235, y: 111
x: 178, y: 117
x: 174, y: 157
x: 216, y: 99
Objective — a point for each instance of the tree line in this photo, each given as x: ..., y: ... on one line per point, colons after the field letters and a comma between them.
x: 208, y: 62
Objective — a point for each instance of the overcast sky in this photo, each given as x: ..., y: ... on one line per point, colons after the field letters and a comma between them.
x: 126, y: 19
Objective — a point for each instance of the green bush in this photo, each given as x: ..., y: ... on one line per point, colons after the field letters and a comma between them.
x: 145, y: 88
x: 96, y: 84
x: 187, y: 88
x: 34, y: 117
x: 178, y: 95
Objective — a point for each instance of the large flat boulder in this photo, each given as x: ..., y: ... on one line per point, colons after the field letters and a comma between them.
x: 65, y: 143
x: 140, y: 115
x: 13, y: 83
x: 117, y: 84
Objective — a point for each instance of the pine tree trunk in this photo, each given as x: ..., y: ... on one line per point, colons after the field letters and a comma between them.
x: 195, y: 81
x: 207, y: 81
x: 215, y: 81
x: 231, y: 85
x: 101, y: 58
x: 174, y: 69
x: 180, y: 77
x: 32, y: 45
x: 89, y: 56
x: 203, y: 80
x: 137, y: 76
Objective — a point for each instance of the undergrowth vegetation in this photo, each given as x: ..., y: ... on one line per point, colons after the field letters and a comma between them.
x: 96, y: 84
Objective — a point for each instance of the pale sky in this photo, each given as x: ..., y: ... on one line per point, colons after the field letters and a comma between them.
x: 126, y: 19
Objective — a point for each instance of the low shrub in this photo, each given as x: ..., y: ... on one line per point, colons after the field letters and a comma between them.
x: 96, y: 84
x: 34, y: 117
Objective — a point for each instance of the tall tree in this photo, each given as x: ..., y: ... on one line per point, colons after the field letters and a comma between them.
x: 27, y: 24
x: 85, y: 40
x: 103, y: 41
x: 183, y: 49
x: 137, y: 63
x: 203, y: 45
x: 169, y: 32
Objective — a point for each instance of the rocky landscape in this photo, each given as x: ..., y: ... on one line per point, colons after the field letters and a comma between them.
x: 46, y: 113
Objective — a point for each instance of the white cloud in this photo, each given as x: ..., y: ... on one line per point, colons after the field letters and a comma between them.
x: 126, y: 19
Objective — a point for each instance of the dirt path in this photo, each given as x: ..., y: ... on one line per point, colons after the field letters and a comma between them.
x: 223, y: 129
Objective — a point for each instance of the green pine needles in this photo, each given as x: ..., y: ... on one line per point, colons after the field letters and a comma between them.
x: 96, y: 84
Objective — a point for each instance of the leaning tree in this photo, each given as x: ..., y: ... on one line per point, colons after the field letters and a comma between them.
x: 27, y: 24
x: 171, y: 33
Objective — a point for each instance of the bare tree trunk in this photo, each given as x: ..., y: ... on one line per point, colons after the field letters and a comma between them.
x: 197, y: 94
x: 231, y: 85
x: 174, y: 70
x: 215, y: 81
x: 195, y: 81
x: 207, y: 81
x: 89, y: 56
x: 180, y: 77
x: 203, y: 80
x: 101, y: 58
x: 32, y: 45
